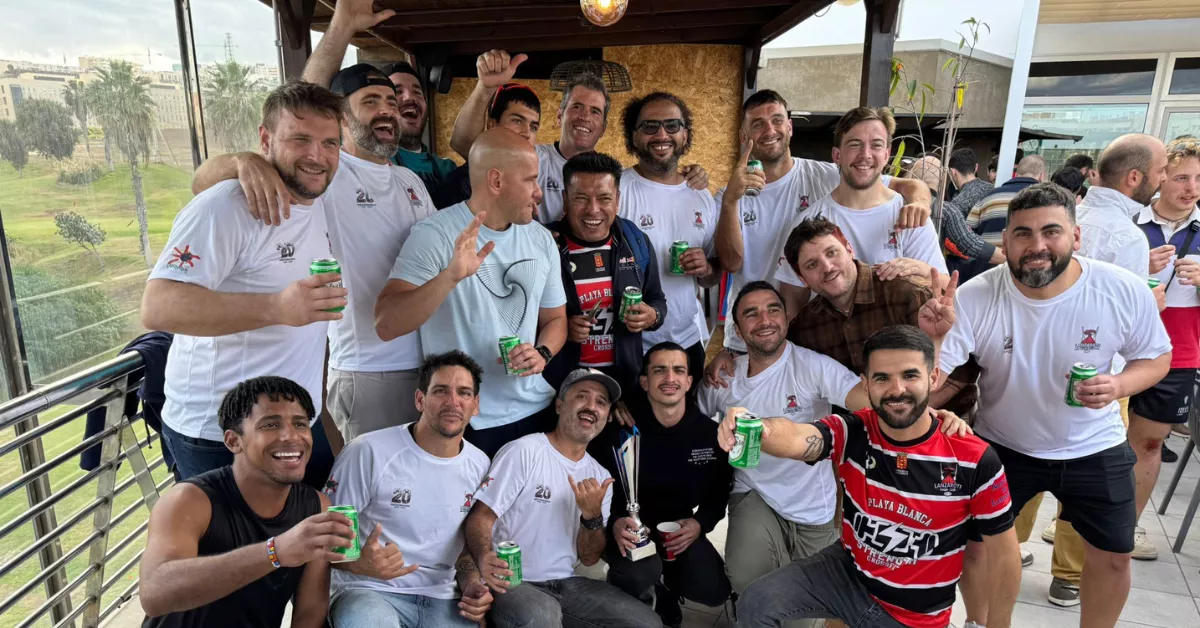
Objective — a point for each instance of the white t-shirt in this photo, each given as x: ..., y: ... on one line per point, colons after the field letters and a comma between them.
x: 550, y: 179
x: 874, y: 236
x: 520, y: 276
x: 666, y: 213
x: 801, y: 386
x: 372, y: 209
x: 216, y: 244
x: 529, y: 492
x: 421, y: 501
x: 1026, y: 348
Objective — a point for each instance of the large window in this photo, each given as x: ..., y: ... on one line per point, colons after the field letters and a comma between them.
x: 1097, y: 124
x: 1185, y: 79
x: 1133, y: 77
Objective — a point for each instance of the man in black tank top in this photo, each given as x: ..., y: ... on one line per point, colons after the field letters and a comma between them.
x: 231, y: 547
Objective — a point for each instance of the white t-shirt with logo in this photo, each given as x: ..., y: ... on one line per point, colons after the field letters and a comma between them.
x: 1027, y: 347
x: 419, y: 499
x: 503, y: 298
x: 373, y: 209
x: 666, y: 213
x: 216, y: 244
x: 532, y: 497
x: 550, y: 179
x: 800, y: 386
x: 874, y: 235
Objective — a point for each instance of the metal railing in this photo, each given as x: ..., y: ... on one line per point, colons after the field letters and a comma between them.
x: 61, y: 576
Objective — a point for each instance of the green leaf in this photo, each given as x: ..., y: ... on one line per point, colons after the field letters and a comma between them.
x: 947, y: 63
x: 912, y: 89
x: 922, y: 116
x: 969, y: 21
x: 896, y: 159
x: 895, y: 82
x: 928, y: 88
x: 962, y: 42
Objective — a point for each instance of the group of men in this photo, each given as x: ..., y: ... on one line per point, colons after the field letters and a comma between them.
x: 844, y: 333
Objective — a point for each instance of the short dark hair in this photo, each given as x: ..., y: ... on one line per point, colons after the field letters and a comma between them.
x: 513, y: 93
x: 859, y: 115
x: 239, y: 402
x: 964, y: 161
x: 1069, y: 177
x: 1119, y: 158
x: 633, y: 111
x: 666, y: 345
x: 591, y: 162
x: 808, y: 230
x: 763, y: 97
x: 902, y: 337
x: 994, y: 163
x: 589, y: 81
x: 1043, y: 195
x: 300, y: 96
x: 1081, y: 161
x: 439, y: 361
x: 752, y: 287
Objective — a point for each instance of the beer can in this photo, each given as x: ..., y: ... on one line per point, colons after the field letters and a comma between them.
x: 747, y: 444
x: 507, y: 344
x: 753, y: 165
x: 327, y: 265
x: 510, y: 553
x: 631, y: 297
x: 353, y: 552
x: 1079, y: 372
x: 1153, y: 283
x: 678, y: 247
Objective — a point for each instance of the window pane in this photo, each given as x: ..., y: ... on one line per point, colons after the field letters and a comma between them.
x: 1133, y: 77
x: 1186, y: 77
x: 1182, y: 123
x: 1098, y: 124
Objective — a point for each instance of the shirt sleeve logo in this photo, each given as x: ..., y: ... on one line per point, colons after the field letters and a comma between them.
x: 184, y: 260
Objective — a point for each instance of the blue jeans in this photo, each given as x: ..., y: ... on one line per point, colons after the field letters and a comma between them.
x: 574, y: 602
x: 194, y: 456
x: 366, y: 608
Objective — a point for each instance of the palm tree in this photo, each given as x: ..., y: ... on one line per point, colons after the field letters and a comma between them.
x: 232, y: 105
x: 122, y: 103
x: 75, y: 94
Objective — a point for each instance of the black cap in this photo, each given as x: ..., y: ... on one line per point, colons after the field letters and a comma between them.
x: 358, y: 76
x: 400, y: 67
x: 590, y: 375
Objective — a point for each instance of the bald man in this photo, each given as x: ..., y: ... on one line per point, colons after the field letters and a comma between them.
x: 480, y: 271
x: 1131, y: 169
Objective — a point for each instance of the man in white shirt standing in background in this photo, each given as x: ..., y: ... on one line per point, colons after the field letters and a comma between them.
x: 413, y: 486
x: 374, y: 206
x: 1131, y: 168
x: 237, y: 293
x: 655, y: 196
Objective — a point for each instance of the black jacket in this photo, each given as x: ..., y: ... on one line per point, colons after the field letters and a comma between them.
x: 634, y: 265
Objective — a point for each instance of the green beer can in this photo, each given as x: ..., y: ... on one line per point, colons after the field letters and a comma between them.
x: 747, y: 444
x: 630, y: 298
x: 327, y: 265
x: 353, y: 552
x: 507, y: 344
x: 678, y: 247
x: 510, y: 553
x: 1153, y: 283
x: 753, y: 165
x: 1079, y: 372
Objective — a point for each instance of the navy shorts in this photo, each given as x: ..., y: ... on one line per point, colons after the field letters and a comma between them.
x: 1167, y: 401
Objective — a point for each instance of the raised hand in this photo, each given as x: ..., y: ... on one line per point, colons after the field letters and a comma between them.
x: 382, y: 562
x: 304, y: 301
x: 937, y: 315
x: 467, y: 260
x: 314, y: 539
x: 589, y: 495
x: 360, y: 14
x: 495, y: 68
x: 739, y: 179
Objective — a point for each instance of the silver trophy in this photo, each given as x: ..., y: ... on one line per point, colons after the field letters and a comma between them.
x: 628, y: 456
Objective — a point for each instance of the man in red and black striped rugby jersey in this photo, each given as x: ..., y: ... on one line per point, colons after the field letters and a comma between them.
x: 909, y: 494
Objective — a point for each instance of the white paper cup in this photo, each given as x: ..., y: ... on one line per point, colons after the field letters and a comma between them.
x: 665, y: 529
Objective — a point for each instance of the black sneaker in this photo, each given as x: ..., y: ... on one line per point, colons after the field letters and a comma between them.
x: 667, y: 606
x: 1168, y: 456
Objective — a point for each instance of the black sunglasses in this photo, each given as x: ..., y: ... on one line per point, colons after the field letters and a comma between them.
x: 650, y: 127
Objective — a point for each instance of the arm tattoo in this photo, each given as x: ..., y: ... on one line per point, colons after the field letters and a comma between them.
x: 814, y: 444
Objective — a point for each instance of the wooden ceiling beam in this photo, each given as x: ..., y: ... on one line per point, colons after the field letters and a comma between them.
x: 711, y: 34
x: 801, y: 10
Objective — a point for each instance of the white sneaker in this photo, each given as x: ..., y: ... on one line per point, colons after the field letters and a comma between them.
x: 1026, y: 559
x: 1143, y: 549
x: 1048, y: 532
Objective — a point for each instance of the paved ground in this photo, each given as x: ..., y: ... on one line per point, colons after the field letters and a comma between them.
x: 1166, y: 592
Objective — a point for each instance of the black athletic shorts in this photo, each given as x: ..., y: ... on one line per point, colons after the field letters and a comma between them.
x: 1096, y: 492
x: 1167, y: 401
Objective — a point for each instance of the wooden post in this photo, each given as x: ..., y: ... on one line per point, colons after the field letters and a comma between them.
x: 294, y: 18
x: 878, y: 45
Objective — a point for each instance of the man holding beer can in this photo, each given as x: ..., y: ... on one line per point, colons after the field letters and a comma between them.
x: 608, y: 273
x: 1028, y: 324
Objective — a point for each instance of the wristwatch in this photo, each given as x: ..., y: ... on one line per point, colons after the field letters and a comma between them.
x: 591, y: 524
x: 544, y: 352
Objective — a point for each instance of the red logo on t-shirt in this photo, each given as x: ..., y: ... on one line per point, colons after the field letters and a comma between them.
x: 892, y: 243
x: 804, y: 202
x: 598, y: 260
x: 793, y: 406
x: 699, y: 221
x: 183, y: 260
x: 902, y: 462
x: 1089, y: 342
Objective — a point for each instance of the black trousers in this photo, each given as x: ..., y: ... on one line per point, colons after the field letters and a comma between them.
x: 697, y: 574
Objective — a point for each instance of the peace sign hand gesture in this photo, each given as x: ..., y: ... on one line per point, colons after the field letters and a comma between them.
x: 937, y: 315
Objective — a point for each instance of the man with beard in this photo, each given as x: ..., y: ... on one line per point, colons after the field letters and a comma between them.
x: 1027, y: 325
x: 412, y: 153
x: 656, y: 198
x: 910, y: 495
x: 480, y: 271
x: 601, y: 257
x: 684, y: 478
x: 373, y: 206
x: 1131, y: 169
x: 547, y: 495
x: 413, y: 486
x: 233, y: 546
x: 237, y: 294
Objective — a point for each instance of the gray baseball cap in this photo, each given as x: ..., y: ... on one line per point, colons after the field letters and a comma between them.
x: 585, y: 374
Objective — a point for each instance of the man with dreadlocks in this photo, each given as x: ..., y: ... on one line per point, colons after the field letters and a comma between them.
x: 232, y: 546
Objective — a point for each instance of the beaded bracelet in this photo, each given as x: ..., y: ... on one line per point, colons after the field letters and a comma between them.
x: 271, y: 554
